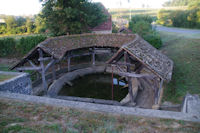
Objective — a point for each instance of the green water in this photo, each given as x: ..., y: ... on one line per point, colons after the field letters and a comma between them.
x: 95, y: 86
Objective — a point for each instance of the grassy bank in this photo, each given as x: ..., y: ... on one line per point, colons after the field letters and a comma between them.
x: 20, y: 116
x: 183, y: 49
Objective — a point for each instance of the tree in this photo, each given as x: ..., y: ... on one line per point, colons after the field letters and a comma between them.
x: 29, y: 25
x: 177, y: 3
x: 40, y: 24
x: 11, y: 24
x: 71, y: 16
x: 2, y: 29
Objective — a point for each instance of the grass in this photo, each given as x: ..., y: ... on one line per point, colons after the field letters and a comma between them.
x: 5, y: 77
x: 124, y: 12
x: 4, y: 67
x: 183, y: 49
x: 17, y: 116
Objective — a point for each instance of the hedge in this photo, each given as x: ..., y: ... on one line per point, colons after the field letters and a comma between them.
x: 7, y: 46
x: 27, y: 43
x: 10, y: 46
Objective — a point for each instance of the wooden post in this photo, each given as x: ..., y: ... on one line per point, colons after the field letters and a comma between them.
x: 93, y: 57
x: 53, y: 72
x: 157, y: 98
x: 68, y: 62
x: 126, y: 60
x: 43, y: 71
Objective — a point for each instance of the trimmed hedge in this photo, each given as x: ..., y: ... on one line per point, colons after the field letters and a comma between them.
x: 7, y: 46
x: 10, y: 46
x: 27, y: 43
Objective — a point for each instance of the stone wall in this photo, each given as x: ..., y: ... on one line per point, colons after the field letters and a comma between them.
x: 20, y: 83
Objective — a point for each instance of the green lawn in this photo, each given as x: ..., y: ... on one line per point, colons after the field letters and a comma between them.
x: 184, y: 50
x: 5, y: 77
x: 124, y: 12
x: 25, y: 117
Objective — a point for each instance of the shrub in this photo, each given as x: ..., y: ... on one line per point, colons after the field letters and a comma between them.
x: 114, y: 28
x: 142, y: 26
x: 27, y: 43
x: 146, y: 18
x: 154, y: 40
x: 179, y: 18
x: 7, y: 46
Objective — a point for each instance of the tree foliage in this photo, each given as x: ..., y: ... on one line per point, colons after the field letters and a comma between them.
x: 177, y: 3
x: 181, y: 18
x: 71, y: 16
x: 40, y: 24
x: 141, y: 24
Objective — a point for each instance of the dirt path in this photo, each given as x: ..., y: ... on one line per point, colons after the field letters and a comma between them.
x: 177, y: 30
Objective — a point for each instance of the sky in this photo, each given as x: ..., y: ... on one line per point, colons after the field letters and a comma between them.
x: 31, y: 7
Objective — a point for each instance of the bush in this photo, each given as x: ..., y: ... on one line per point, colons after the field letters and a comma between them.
x: 7, y: 46
x: 27, y: 43
x: 154, y: 40
x: 179, y: 18
x: 142, y: 26
x: 146, y: 18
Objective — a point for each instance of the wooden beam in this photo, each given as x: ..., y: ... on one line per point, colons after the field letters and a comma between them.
x: 53, y: 72
x: 126, y: 60
x: 158, y: 96
x: 31, y: 63
x: 115, y: 57
x: 44, y: 83
x: 45, y: 59
x: 68, y: 63
x: 28, y: 68
x: 93, y: 58
x: 78, y: 55
x: 50, y: 64
x: 134, y: 75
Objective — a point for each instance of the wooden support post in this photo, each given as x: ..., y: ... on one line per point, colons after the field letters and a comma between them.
x: 53, y: 72
x: 93, y: 58
x: 68, y: 63
x: 126, y: 60
x: 43, y: 71
x: 158, y: 95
